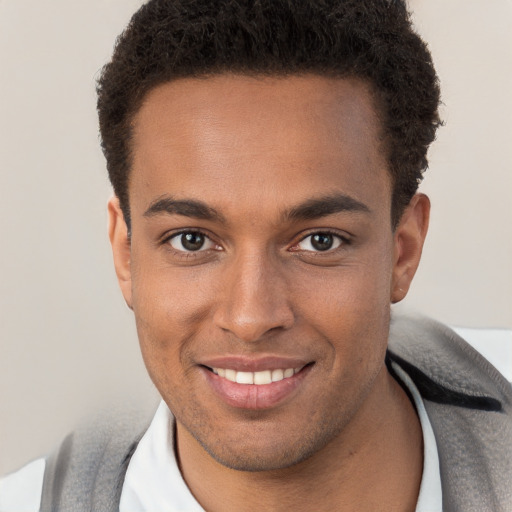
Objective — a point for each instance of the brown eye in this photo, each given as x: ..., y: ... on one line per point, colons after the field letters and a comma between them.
x: 191, y: 241
x: 320, y: 242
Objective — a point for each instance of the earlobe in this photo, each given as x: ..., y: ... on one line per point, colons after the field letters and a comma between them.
x: 408, y: 245
x: 120, y: 242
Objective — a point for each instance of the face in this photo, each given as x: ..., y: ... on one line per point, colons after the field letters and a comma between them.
x: 262, y: 261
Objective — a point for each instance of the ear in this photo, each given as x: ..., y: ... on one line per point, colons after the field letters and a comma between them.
x: 118, y: 234
x: 408, y: 243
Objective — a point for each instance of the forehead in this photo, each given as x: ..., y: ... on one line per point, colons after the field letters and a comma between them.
x: 308, y: 135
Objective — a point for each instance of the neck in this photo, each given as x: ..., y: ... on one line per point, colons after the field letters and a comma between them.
x: 374, y: 464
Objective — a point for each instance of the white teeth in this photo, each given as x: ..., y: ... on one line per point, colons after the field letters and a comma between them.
x: 277, y: 375
x: 245, y: 377
x: 231, y: 375
x: 258, y: 378
x: 263, y: 377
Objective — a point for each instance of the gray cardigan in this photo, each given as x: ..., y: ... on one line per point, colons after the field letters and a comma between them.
x: 467, y: 400
x: 469, y: 404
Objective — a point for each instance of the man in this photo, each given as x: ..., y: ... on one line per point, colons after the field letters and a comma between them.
x: 265, y: 158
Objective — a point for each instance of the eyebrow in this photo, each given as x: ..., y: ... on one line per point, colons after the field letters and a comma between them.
x: 327, y: 205
x: 185, y: 207
x: 309, y: 210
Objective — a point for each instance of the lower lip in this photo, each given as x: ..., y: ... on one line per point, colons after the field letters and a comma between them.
x: 251, y: 396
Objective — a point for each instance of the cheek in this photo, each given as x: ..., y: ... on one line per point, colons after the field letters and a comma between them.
x: 165, y: 295
x: 360, y: 288
x: 350, y: 307
x: 169, y: 305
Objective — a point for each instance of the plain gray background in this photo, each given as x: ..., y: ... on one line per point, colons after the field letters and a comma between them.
x: 67, y: 341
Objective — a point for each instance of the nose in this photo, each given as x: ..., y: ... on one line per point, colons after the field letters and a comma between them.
x: 254, y: 300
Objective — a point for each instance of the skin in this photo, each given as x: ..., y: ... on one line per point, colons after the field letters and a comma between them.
x: 256, y: 152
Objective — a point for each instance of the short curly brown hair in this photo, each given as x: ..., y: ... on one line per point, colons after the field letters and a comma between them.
x: 369, y: 39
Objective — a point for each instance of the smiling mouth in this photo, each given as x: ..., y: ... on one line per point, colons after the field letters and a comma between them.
x: 263, y: 389
x: 258, y: 378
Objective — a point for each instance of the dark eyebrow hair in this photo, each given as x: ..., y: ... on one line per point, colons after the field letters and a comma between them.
x: 185, y: 207
x: 310, y: 209
x: 327, y: 205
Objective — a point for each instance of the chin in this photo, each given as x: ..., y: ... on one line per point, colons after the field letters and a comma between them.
x: 267, y: 454
x: 258, y: 462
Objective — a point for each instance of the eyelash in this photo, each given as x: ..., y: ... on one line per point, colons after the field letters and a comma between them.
x: 166, y: 241
x: 343, y: 241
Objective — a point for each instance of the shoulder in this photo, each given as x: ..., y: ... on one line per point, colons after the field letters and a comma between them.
x: 87, y: 471
x: 436, y: 353
x: 89, y: 463
x: 469, y: 405
x: 21, y: 491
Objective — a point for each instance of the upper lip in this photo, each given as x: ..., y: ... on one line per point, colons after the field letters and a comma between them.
x: 254, y: 364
